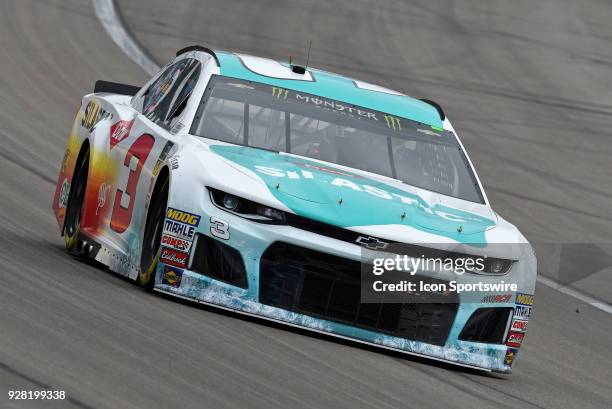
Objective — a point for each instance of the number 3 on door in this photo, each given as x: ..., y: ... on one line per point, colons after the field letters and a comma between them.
x: 124, y: 199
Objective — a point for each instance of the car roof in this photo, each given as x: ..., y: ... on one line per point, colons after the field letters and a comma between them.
x: 327, y: 85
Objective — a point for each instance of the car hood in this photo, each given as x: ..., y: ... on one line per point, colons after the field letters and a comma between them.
x: 353, y: 199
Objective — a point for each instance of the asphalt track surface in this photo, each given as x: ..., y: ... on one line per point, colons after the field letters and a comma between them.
x: 528, y: 87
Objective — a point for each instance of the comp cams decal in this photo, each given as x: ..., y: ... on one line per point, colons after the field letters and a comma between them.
x: 519, y: 325
x: 175, y: 243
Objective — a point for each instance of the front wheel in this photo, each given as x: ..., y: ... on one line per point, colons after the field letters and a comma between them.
x: 152, y: 237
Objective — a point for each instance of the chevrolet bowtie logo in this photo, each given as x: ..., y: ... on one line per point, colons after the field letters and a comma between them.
x: 371, y: 242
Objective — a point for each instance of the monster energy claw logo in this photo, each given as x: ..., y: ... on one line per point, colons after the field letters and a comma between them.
x: 279, y: 92
x: 393, y: 123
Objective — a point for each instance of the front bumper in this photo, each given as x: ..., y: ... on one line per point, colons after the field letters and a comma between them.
x: 252, y: 239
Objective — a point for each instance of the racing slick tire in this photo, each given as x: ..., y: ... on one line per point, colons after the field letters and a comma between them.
x: 74, y: 207
x: 152, y: 236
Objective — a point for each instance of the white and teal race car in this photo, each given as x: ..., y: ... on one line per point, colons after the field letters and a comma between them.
x: 255, y: 185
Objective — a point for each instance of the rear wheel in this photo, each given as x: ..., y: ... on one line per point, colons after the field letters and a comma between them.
x: 74, y: 208
x: 152, y: 236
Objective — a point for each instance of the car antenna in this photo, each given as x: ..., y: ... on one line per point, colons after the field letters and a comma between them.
x: 308, y: 55
x: 299, y: 69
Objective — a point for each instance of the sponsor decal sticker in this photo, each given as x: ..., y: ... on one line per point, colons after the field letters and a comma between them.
x: 175, y: 243
x: 183, y: 217
x: 524, y: 299
x: 102, y: 195
x: 428, y: 132
x: 64, y: 193
x: 119, y: 132
x: 510, y: 355
x: 497, y: 298
x: 172, y: 276
x: 515, y: 339
x: 94, y: 113
x: 174, y: 161
x: 177, y: 128
x: 522, y: 312
x: 279, y: 92
x: 393, y: 122
x: 519, y: 325
x: 65, y: 160
x: 332, y: 105
x: 238, y: 85
x: 162, y: 157
x: 173, y: 257
x: 179, y: 229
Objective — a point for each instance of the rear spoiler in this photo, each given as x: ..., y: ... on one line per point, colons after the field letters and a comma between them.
x: 115, y: 88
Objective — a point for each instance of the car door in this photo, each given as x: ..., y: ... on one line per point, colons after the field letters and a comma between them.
x: 139, y: 156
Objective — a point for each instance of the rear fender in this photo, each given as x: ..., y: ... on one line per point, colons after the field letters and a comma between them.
x: 66, y: 171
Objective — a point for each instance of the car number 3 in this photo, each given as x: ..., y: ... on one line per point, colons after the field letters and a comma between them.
x: 124, y: 198
x: 219, y: 228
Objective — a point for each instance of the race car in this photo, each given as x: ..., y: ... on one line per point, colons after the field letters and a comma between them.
x: 257, y: 186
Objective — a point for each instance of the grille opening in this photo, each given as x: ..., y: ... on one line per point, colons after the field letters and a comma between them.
x: 217, y: 260
x: 487, y: 325
x: 327, y: 286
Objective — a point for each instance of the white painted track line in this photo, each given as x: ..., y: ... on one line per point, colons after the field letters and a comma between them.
x: 108, y: 16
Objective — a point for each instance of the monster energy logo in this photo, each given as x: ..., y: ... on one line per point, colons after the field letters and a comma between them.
x: 279, y: 92
x: 393, y: 123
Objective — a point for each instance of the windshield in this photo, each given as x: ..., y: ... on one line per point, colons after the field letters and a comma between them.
x: 284, y: 120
